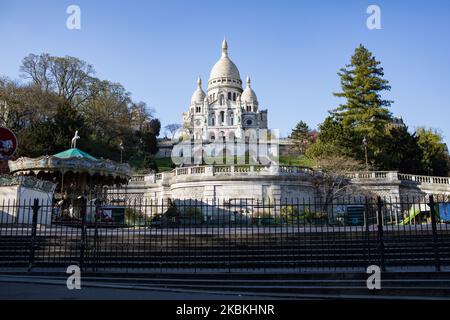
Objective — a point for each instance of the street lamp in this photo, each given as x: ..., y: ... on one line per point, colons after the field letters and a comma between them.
x: 121, y: 150
x: 365, y: 144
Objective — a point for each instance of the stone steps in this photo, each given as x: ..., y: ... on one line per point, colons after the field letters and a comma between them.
x: 329, y: 285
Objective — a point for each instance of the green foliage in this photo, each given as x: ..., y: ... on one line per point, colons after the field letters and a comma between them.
x: 301, y: 161
x: 364, y: 114
x: 401, y: 151
x: 301, y: 136
x: 172, y: 210
x: 164, y: 164
x: 362, y: 83
x: 435, y: 158
x: 289, y: 213
x: 194, y: 213
x: 63, y: 96
x: 323, y: 149
x: 312, y: 217
x: 135, y: 218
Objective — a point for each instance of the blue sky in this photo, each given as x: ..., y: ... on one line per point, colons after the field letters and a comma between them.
x: 291, y: 49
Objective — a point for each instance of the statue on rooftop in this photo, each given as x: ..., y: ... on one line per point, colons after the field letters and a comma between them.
x: 74, y: 140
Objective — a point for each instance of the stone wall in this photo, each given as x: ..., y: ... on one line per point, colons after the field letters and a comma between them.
x: 394, y: 184
x: 226, y: 182
x: 287, y: 183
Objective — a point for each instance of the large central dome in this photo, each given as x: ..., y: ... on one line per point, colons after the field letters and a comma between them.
x: 225, y: 68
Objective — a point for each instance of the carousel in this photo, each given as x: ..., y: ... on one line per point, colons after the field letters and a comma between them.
x: 74, y: 172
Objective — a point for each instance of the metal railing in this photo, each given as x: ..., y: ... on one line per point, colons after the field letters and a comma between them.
x: 226, y: 234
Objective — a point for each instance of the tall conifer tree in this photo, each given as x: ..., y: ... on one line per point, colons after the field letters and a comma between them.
x: 365, y: 113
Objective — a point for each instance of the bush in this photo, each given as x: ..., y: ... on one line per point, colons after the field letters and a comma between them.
x: 172, y: 210
x: 289, y: 212
x: 311, y: 217
x: 134, y: 217
x: 194, y: 213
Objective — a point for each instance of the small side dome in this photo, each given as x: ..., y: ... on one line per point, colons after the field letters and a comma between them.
x: 199, y: 95
x: 249, y: 96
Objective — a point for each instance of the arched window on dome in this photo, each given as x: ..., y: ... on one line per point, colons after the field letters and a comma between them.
x: 249, y: 108
x: 222, y: 99
x: 222, y: 117
x: 232, y: 119
x: 234, y: 96
x: 229, y: 95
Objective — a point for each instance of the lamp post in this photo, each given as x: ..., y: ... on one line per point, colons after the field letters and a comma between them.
x: 121, y: 150
x: 365, y: 144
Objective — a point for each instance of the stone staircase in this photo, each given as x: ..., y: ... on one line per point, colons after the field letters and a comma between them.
x: 306, y: 285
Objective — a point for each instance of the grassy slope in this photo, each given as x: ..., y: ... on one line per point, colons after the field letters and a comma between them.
x: 296, y: 161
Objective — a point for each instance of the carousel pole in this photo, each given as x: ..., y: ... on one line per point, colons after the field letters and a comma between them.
x: 90, y: 186
x: 62, y: 183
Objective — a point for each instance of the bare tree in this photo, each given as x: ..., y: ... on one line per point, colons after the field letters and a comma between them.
x: 331, y: 177
x: 172, y: 129
x: 37, y: 68
x: 69, y: 77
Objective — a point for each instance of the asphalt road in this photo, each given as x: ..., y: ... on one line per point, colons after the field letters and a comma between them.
x: 42, y: 291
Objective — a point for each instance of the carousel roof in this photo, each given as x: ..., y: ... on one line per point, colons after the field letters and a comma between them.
x: 74, y: 153
x: 71, y: 160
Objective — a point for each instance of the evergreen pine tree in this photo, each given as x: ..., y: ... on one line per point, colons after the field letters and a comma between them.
x: 364, y: 114
x: 300, y: 136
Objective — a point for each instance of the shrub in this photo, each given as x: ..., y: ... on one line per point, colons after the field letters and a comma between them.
x: 289, y: 212
x: 194, y: 213
x: 172, y: 210
x: 134, y: 217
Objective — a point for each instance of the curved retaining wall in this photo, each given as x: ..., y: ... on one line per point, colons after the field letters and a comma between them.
x: 274, y: 182
x: 227, y: 182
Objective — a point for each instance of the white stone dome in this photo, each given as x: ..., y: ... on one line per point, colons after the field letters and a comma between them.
x: 199, y: 95
x: 225, y: 68
x: 248, y: 95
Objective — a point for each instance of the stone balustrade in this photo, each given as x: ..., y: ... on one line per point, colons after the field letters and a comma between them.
x: 137, y: 178
x: 424, y: 179
x: 385, y: 175
x: 395, y: 176
x: 236, y: 170
x: 233, y: 170
x: 256, y: 181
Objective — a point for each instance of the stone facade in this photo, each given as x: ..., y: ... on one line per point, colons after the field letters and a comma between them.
x: 226, y: 182
x: 397, y: 185
x: 274, y: 183
x: 226, y: 111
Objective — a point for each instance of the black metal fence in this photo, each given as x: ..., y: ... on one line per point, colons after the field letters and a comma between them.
x: 128, y: 232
